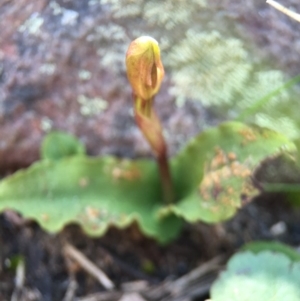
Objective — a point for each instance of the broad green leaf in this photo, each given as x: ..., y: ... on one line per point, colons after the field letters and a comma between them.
x: 213, y: 173
x: 57, y: 145
x: 266, y: 276
x: 259, y: 246
x: 93, y: 192
x: 210, y: 176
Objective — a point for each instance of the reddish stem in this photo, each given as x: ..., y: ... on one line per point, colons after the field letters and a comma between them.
x: 150, y: 126
x: 166, y: 179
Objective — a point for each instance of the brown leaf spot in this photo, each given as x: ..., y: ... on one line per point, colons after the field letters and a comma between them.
x: 225, y: 180
x: 248, y: 135
x: 231, y: 156
x: 45, y: 217
x: 230, y: 190
x: 239, y: 170
x: 92, y: 213
x: 83, y: 182
x: 219, y: 159
x: 125, y: 171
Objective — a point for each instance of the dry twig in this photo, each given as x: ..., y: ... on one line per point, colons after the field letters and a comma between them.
x: 126, y: 267
x: 19, y: 280
x: 135, y: 286
x: 132, y: 297
x: 104, y: 296
x: 284, y: 10
x: 194, y: 284
x: 88, y: 266
x: 70, y: 293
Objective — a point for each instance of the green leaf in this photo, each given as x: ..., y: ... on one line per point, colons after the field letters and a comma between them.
x: 277, y: 247
x: 57, y: 145
x: 210, y: 176
x: 258, y: 105
x: 297, y: 143
x: 93, y: 192
x: 266, y: 276
x: 14, y: 261
x: 213, y: 173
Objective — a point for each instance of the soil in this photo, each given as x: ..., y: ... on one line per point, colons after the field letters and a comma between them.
x: 126, y: 256
x: 41, y: 78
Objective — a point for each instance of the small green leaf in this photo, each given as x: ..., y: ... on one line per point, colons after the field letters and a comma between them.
x: 259, y: 246
x: 13, y: 262
x: 57, y: 145
x: 266, y: 276
x: 93, y: 192
x: 213, y: 173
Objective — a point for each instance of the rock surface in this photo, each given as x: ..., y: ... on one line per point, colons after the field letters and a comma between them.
x: 62, y: 68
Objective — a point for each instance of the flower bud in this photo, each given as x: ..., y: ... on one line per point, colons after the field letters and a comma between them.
x: 144, y: 67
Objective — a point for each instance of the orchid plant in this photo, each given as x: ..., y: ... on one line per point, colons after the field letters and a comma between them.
x: 208, y: 180
x: 145, y: 73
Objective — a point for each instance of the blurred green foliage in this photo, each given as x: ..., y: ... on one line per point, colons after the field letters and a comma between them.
x: 276, y: 247
x: 210, y: 175
x: 58, y: 145
x: 265, y: 276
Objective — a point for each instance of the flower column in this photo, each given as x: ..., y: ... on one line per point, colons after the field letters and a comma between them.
x: 145, y: 73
